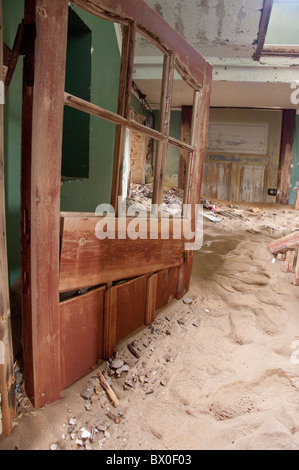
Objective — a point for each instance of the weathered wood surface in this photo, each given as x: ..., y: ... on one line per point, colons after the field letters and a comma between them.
x: 189, y: 62
x: 42, y: 157
x: 297, y: 201
x: 7, y: 382
x: 87, y: 261
x: 284, y: 244
x: 81, y: 334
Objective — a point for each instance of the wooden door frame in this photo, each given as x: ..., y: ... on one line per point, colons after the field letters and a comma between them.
x: 43, y: 103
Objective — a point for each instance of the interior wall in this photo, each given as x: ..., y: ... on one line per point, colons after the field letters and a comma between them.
x: 242, y: 154
x: 13, y: 12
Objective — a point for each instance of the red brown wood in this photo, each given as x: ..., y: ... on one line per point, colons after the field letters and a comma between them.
x: 41, y: 317
x: 131, y: 306
x: 151, y: 299
x: 284, y: 244
x: 166, y: 286
x: 265, y: 18
x: 81, y: 334
x: 87, y: 261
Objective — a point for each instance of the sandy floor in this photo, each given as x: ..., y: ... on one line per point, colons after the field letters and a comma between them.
x: 221, y: 372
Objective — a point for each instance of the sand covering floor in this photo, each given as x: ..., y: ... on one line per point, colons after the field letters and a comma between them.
x: 219, y: 373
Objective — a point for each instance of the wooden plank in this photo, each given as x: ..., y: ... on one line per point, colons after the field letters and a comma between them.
x: 131, y: 306
x: 286, y: 156
x: 81, y: 334
x: 166, y: 286
x: 189, y: 62
x: 284, y: 244
x: 265, y: 18
x: 297, y: 201
x: 86, y: 260
x: 13, y: 55
x: 7, y: 382
x: 151, y: 299
x: 185, y: 137
x: 41, y: 317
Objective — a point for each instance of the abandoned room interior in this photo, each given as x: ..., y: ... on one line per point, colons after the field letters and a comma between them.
x: 142, y: 108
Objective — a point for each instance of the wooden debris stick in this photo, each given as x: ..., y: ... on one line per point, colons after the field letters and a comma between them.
x: 297, y: 201
x: 7, y: 382
x: 289, y: 262
x: 108, y: 390
x: 284, y: 244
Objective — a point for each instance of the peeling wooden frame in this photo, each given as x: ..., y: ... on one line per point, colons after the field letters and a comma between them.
x: 262, y: 49
x: 264, y: 23
x: 43, y: 100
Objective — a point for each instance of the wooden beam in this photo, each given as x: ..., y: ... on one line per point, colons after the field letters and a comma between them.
x: 7, y: 382
x: 286, y: 156
x: 41, y: 154
x: 265, y: 18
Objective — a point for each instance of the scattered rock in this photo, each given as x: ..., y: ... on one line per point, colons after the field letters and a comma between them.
x: 187, y: 300
x: 196, y: 323
x: 87, y: 393
x: 117, y: 364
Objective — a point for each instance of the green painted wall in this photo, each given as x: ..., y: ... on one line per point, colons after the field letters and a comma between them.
x: 13, y: 12
x: 173, y: 154
x: 295, y: 167
x: 85, y: 195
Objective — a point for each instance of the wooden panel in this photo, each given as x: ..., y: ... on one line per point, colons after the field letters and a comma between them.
x: 131, y: 306
x: 125, y: 311
x: 252, y: 183
x: 7, y: 382
x: 167, y: 281
x: 216, y: 180
x: 81, y: 334
x: 87, y: 261
x: 151, y: 299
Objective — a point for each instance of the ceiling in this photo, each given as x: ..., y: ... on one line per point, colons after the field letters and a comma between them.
x: 225, y: 32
